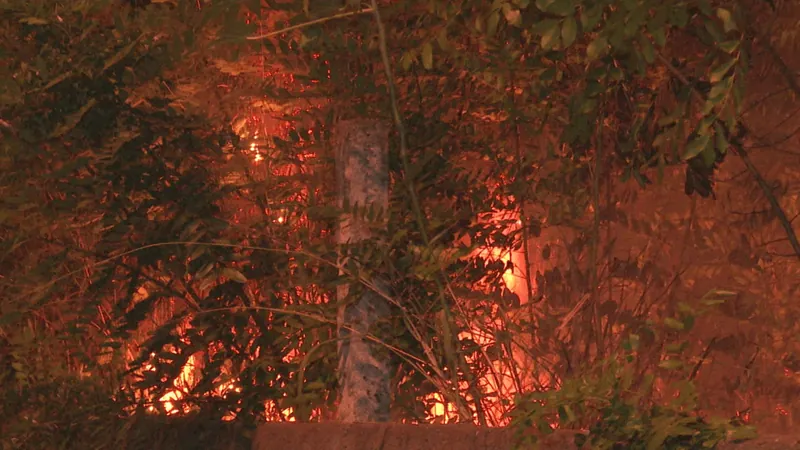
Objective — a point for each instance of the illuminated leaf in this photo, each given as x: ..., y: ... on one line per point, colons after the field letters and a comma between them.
x: 234, y: 275
x: 491, y: 23
x: 513, y: 16
x: 719, y: 72
x: 406, y: 60
x: 670, y: 364
x: 34, y: 21
x: 729, y: 46
x: 722, y: 143
x: 743, y: 433
x: 597, y: 48
x: 675, y: 324
x: 696, y: 146
x: 727, y: 19
x: 550, y: 36
x: 427, y: 56
x: 441, y: 39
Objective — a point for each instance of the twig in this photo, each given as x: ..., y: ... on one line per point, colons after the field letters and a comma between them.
x: 463, y: 411
x: 309, y: 23
x: 593, y: 275
x: 740, y: 151
x: 703, y: 358
x: 784, y: 69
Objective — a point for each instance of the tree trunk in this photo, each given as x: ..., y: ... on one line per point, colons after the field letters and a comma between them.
x: 362, y: 177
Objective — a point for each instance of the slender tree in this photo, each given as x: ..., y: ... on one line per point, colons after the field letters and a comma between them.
x: 363, y: 190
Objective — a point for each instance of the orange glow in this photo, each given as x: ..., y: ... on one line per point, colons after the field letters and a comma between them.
x: 500, y: 384
x: 256, y: 130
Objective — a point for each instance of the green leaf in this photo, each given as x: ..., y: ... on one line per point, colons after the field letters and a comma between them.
x: 513, y: 16
x: 562, y: 7
x: 233, y: 274
x: 441, y: 39
x: 648, y: 52
x: 743, y: 433
x: 569, y: 31
x: 719, y: 72
x: 720, y: 90
x: 34, y: 21
x: 491, y: 23
x: 73, y: 119
x: 721, y: 293
x: 670, y: 364
x: 696, y: 146
x: 197, y: 252
x: 713, y: 31
x: 597, y: 48
x: 591, y: 16
x: 679, y: 16
x: 726, y: 17
x: 634, y: 341
x: 121, y: 54
x: 673, y: 323
x: 406, y: 60
x: 427, y: 56
x: 729, y: 46
x: 550, y: 36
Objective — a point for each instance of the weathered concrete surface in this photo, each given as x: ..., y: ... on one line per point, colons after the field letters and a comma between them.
x: 336, y: 436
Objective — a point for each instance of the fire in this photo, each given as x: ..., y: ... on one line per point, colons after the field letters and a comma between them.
x: 500, y: 385
x: 257, y: 156
x: 170, y: 402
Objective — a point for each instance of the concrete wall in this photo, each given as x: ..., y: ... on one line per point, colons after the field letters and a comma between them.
x: 337, y: 436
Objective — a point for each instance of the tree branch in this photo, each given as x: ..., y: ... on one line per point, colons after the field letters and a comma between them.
x: 740, y: 151
x: 309, y: 23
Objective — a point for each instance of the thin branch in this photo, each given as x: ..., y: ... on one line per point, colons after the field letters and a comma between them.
x: 703, y: 358
x: 740, y: 151
x: 783, y: 68
x: 309, y: 23
x: 463, y: 411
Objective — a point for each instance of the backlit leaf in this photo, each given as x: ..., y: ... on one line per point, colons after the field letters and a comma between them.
x: 719, y: 72
x: 727, y: 19
x: 696, y: 146
x: 233, y: 274
x: 34, y: 21
x: 597, y: 48
x: 550, y: 37
x: 675, y: 324
x: 427, y: 56
x: 670, y: 364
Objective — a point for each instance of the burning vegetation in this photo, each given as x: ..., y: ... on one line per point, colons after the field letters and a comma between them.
x: 177, y: 190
